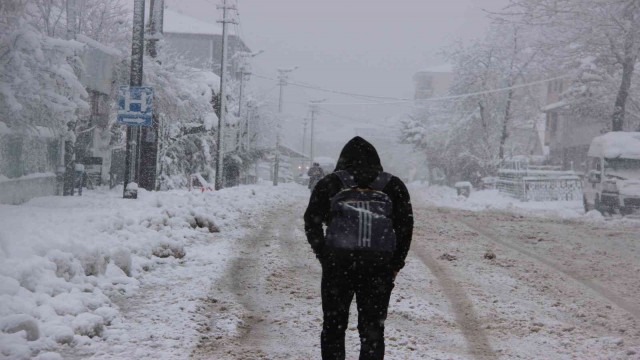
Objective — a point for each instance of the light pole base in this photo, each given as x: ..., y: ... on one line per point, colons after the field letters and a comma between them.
x: 130, y: 191
x: 130, y: 194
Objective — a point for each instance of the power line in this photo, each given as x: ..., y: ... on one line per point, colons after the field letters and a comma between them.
x: 346, y: 117
x: 460, y: 96
x: 402, y: 101
x: 313, y: 87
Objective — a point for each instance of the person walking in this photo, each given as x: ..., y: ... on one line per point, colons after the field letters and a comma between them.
x: 315, y: 173
x: 369, y: 223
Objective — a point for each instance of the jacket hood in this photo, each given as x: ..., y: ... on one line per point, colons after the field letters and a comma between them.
x: 359, y: 154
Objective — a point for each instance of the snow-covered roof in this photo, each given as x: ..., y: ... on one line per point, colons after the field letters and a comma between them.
x: 616, y: 144
x: 324, y: 160
x: 177, y: 22
x: 289, y: 151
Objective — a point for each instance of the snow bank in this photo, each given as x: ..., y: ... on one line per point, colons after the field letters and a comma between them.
x: 492, y: 200
x: 62, y: 259
x: 425, y: 195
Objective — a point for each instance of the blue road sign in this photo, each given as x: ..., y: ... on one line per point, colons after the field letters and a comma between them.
x: 135, y: 105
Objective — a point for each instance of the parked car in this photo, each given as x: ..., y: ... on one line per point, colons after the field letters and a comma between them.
x: 612, y: 181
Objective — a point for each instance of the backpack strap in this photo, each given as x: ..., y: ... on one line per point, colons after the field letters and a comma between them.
x: 346, y: 179
x: 381, y: 181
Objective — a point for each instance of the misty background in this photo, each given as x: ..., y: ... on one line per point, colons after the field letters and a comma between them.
x: 356, y: 46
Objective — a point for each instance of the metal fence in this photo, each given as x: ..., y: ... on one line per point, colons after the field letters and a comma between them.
x: 534, y: 184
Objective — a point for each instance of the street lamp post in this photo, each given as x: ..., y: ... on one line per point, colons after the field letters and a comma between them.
x: 314, y: 111
x: 223, y: 95
x: 244, y: 70
x: 283, y: 75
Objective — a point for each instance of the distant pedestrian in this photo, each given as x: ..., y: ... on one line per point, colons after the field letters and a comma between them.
x: 369, y: 223
x: 315, y: 173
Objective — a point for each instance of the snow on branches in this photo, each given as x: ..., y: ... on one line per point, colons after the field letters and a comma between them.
x: 470, y: 134
x: 598, y: 39
x: 38, y: 85
x: 186, y: 118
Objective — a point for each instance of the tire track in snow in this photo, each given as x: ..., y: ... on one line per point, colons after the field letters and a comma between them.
x: 466, y: 318
x: 268, y: 286
x: 584, y: 282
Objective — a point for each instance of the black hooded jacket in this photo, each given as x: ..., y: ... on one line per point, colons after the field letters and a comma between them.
x: 360, y: 159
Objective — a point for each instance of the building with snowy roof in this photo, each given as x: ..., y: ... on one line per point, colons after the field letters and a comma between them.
x: 199, y: 43
x: 567, y: 134
x: 433, y: 81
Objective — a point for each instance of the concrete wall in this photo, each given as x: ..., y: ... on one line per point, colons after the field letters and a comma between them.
x: 18, y: 191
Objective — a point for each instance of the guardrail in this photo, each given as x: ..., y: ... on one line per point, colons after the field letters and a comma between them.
x: 540, y: 185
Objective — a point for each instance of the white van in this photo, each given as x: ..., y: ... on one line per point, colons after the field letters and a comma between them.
x: 612, y: 181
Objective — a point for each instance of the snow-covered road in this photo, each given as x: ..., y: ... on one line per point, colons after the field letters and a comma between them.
x: 478, y: 285
x: 555, y: 290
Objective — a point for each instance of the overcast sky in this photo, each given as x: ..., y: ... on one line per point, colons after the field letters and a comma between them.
x: 362, y: 46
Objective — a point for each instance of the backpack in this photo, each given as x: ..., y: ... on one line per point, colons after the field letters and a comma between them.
x: 361, y: 217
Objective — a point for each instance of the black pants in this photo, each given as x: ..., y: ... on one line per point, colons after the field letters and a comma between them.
x: 372, y: 287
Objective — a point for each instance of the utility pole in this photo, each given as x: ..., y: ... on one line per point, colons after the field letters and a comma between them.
x: 149, y: 135
x: 314, y: 110
x: 248, y: 126
x: 241, y: 124
x: 223, y: 95
x: 304, y: 135
x: 304, y: 141
x: 132, y: 158
x: 156, y: 22
x: 71, y: 19
x: 250, y: 113
x: 244, y: 70
x: 283, y: 76
x: 69, y: 140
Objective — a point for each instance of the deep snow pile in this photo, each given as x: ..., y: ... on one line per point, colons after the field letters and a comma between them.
x: 424, y: 195
x: 61, y: 258
x: 493, y: 200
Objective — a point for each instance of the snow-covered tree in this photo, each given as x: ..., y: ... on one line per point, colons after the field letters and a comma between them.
x: 469, y: 132
x: 38, y: 85
x: 601, y: 39
x: 108, y: 22
x: 183, y: 100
